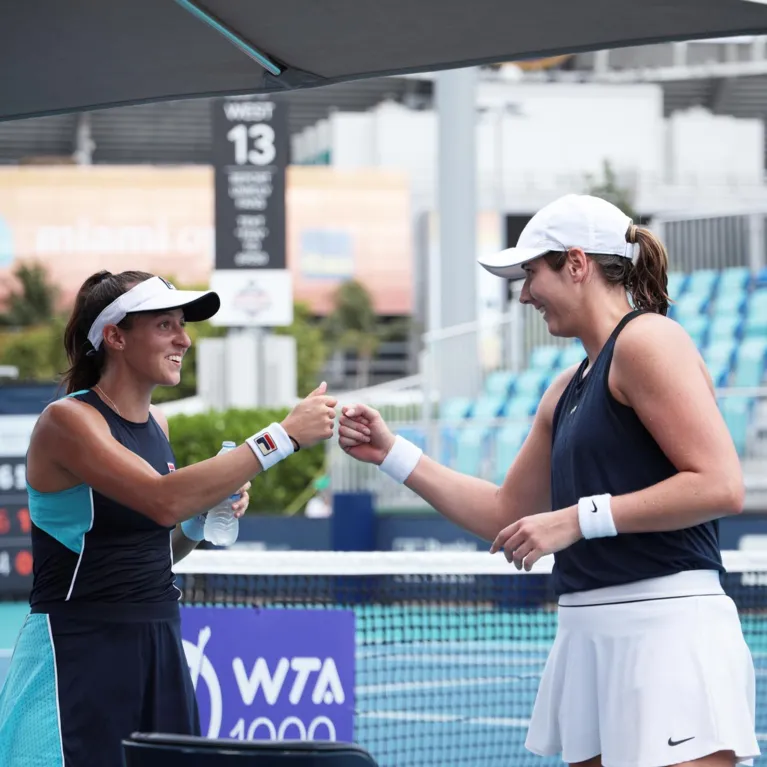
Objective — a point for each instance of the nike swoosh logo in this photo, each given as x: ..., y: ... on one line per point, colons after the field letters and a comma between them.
x: 677, y: 742
x: 594, y: 509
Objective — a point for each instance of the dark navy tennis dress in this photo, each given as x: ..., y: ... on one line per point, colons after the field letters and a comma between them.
x: 601, y: 446
x: 100, y: 654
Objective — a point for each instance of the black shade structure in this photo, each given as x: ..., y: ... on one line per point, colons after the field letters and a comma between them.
x: 65, y: 56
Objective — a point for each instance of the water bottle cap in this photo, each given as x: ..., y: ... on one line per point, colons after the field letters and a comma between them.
x: 228, y: 443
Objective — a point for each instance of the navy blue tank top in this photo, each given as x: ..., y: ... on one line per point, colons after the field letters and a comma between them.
x: 600, y: 446
x: 89, y: 548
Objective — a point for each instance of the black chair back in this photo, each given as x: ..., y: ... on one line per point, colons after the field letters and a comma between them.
x: 161, y: 750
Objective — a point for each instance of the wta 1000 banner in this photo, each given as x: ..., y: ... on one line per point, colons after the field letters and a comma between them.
x: 274, y: 674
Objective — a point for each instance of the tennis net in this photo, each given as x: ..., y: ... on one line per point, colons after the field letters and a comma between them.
x: 448, y: 646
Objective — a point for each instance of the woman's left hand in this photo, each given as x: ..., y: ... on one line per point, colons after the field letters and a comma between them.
x: 240, y: 506
x: 528, y: 539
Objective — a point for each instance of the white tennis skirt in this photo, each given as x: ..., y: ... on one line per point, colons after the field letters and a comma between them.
x: 656, y: 673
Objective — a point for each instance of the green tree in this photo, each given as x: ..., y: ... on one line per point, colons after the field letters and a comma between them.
x: 608, y: 188
x: 38, y: 352
x: 354, y: 326
x: 34, y: 302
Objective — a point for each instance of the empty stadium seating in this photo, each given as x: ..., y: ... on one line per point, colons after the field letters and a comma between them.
x: 724, y: 312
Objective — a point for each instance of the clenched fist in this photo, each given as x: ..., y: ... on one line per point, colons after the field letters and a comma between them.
x: 364, y: 435
x: 311, y: 420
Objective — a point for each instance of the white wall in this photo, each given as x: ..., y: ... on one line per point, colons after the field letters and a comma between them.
x: 537, y: 141
x: 702, y: 146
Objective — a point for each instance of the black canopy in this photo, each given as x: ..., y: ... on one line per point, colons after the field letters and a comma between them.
x: 68, y: 55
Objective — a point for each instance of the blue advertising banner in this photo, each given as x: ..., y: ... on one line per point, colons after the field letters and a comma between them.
x: 272, y: 674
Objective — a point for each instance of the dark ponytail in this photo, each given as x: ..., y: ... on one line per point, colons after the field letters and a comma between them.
x: 645, y: 280
x: 86, y: 364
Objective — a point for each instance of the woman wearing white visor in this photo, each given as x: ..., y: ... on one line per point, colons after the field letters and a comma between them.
x: 625, y: 472
x: 100, y: 655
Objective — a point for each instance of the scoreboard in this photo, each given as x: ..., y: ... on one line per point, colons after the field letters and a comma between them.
x: 15, y: 530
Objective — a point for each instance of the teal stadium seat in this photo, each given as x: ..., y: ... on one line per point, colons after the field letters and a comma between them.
x: 573, y: 354
x: 509, y: 441
x: 724, y: 328
x: 488, y: 407
x: 755, y: 325
x: 470, y: 446
x: 749, y: 366
x: 734, y: 280
x: 736, y: 412
x: 532, y: 382
x: 703, y: 282
x: 545, y: 358
x: 720, y: 373
x: 729, y: 303
x: 720, y: 353
x: 690, y: 305
x: 499, y: 382
x: 521, y: 407
x: 696, y: 326
x: 677, y: 282
x: 455, y: 409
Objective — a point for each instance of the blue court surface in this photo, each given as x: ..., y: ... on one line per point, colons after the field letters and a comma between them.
x: 424, y: 699
x: 468, y: 703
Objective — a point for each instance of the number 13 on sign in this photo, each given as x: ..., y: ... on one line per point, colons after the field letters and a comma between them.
x: 259, y: 150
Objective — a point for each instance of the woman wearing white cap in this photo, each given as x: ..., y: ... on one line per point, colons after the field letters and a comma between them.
x: 625, y: 472
x: 100, y: 655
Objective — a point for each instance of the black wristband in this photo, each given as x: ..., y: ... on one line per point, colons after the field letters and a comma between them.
x: 296, y: 446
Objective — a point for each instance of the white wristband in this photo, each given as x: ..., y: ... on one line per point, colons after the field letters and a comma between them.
x: 596, y: 517
x: 271, y: 445
x: 401, y: 460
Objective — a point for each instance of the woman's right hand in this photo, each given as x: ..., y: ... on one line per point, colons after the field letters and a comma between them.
x: 311, y: 420
x: 364, y: 435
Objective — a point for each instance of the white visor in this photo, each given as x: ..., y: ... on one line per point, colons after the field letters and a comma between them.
x: 152, y: 295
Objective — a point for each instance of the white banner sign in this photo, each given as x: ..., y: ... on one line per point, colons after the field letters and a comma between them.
x: 253, y: 297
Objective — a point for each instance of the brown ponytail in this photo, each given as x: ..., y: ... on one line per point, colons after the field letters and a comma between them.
x: 85, y: 363
x: 646, y: 279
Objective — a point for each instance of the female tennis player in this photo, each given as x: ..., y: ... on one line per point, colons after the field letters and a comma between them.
x: 100, y: 655
x: 625, y: 472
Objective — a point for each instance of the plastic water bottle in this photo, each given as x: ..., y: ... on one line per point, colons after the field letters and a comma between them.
x: 221, y: 526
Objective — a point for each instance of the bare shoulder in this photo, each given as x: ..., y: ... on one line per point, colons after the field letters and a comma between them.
x: 650, y: 350
x: 160, y: 417
x: 66, y: 428
x: 653, y: 336
x: 69, y: 414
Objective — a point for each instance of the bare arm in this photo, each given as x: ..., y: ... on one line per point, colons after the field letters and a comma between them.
x: 475, y: 504
x: 658, y: 372
x: 70, y: 433
x: 180, y: 544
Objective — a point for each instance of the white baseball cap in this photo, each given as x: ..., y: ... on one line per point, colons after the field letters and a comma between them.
x: 573, y: 221
x: 154, y: 294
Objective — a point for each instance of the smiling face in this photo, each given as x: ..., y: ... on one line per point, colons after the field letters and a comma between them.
x: 551, y: 292
x: 154, y: 344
